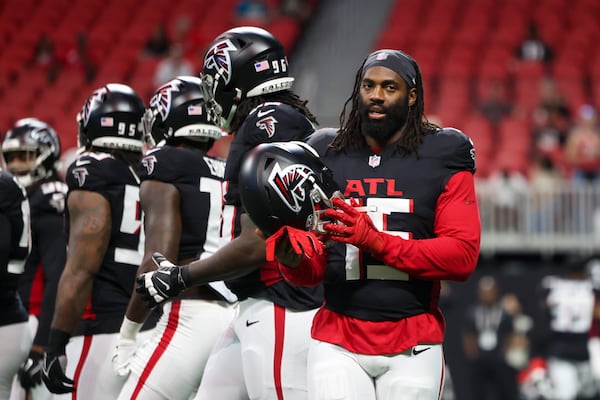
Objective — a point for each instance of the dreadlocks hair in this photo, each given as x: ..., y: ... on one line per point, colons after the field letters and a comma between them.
x: 285, y: 96
x: 414, y: 129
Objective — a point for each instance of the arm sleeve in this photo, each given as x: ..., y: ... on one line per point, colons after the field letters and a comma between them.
x: 453, y: 253
x: 52, y: 247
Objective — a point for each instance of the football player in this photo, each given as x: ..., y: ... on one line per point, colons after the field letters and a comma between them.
x: 410, y: 220
x: 571, y: 303
x: 15, y: 245
x: 181, y: 198
x: 247, y: 70
x: 104, y: 223
x: 31, y: 151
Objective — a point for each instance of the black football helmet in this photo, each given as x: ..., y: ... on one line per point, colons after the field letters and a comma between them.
x: 244, y: 62
x: 179, y: 109
x: 111, y: 118
x: 31, y: 135
x: 285, y: 183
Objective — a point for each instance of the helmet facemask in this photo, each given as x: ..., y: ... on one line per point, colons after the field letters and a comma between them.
x: 320, y: 202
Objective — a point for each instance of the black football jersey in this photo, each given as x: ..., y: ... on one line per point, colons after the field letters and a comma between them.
x: 15, y: 244
x: 199, y: 180
x: 570, y: 307
x: 38, y: 284
x: 269, y: 122
x: 400, y: 192
x: 118, y: 183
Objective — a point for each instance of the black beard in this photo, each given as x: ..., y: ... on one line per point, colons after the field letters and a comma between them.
x: 383, y: 129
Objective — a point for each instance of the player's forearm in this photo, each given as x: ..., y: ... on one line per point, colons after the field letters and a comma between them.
x: 443, y: 258
x: 453, y: 253
x: 137, y: 310
x: 74, y: 291
x: 237, y: 258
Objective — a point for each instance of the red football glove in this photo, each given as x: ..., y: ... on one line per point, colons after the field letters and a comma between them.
x: 356, y: 228
x: 289, y: 245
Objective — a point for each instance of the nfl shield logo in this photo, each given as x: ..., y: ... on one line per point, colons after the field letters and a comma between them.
x: 374, y: 161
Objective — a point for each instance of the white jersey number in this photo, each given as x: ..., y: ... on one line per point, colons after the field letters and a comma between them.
x: 379, y: 209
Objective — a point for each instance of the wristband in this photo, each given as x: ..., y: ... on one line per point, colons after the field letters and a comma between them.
x: 57, y: 341
x: 129, y: 329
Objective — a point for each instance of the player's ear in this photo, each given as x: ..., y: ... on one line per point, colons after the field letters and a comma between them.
x: 412, y: 97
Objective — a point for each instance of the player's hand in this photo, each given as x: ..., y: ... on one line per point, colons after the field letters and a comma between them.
x: 166, y: 282
x: 123, y: 351
x: 289, y: 245
x: 53, y: 374
x: 30, y: 372
x: 354, y: 227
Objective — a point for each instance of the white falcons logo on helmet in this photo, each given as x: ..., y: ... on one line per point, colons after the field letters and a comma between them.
x: 162, y: 99
x: 80, y: 174
x: 218, y: 59
x: 89, y: 104
x: 289, y: 184
x: 267, y: 124
x: 149, y: 162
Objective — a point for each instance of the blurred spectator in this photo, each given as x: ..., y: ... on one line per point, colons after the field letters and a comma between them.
x: 510, y: 187
x: 488, y: 328
x: 193, y: 38
x: 543, y: 174
x: 582, y: 147
x: 252, y: 12
x: 495, y: 105
x: 570, y: 303
x: 298, y: 9
x: 552, y: 121
x: 80, y: 57
x: 173, y: 66
x: 45, y: 57
x: 534, y: 48
x: 158, y: 43
x: 545, y: 180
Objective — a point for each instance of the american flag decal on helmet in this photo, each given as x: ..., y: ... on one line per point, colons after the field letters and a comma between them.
x: 218, y: 59
x: 289, y: 184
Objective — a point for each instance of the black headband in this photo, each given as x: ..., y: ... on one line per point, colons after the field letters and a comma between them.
x: 397, y: 61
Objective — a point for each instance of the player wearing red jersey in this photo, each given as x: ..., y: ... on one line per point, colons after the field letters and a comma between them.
x: 380, y: 331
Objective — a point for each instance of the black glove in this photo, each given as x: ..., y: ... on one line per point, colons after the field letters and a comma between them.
x: 55, y: 364
x: 166, y: 282
x: 30, y: 373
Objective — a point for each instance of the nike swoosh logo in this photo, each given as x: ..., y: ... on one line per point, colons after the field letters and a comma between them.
x: 248, y: 323
x: 165, y: 284
x: 416, y: 352
x: 80, y: 163
x: 262, y: 113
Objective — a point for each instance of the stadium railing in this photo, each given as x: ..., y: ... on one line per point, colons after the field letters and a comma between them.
x: 562, y: 219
